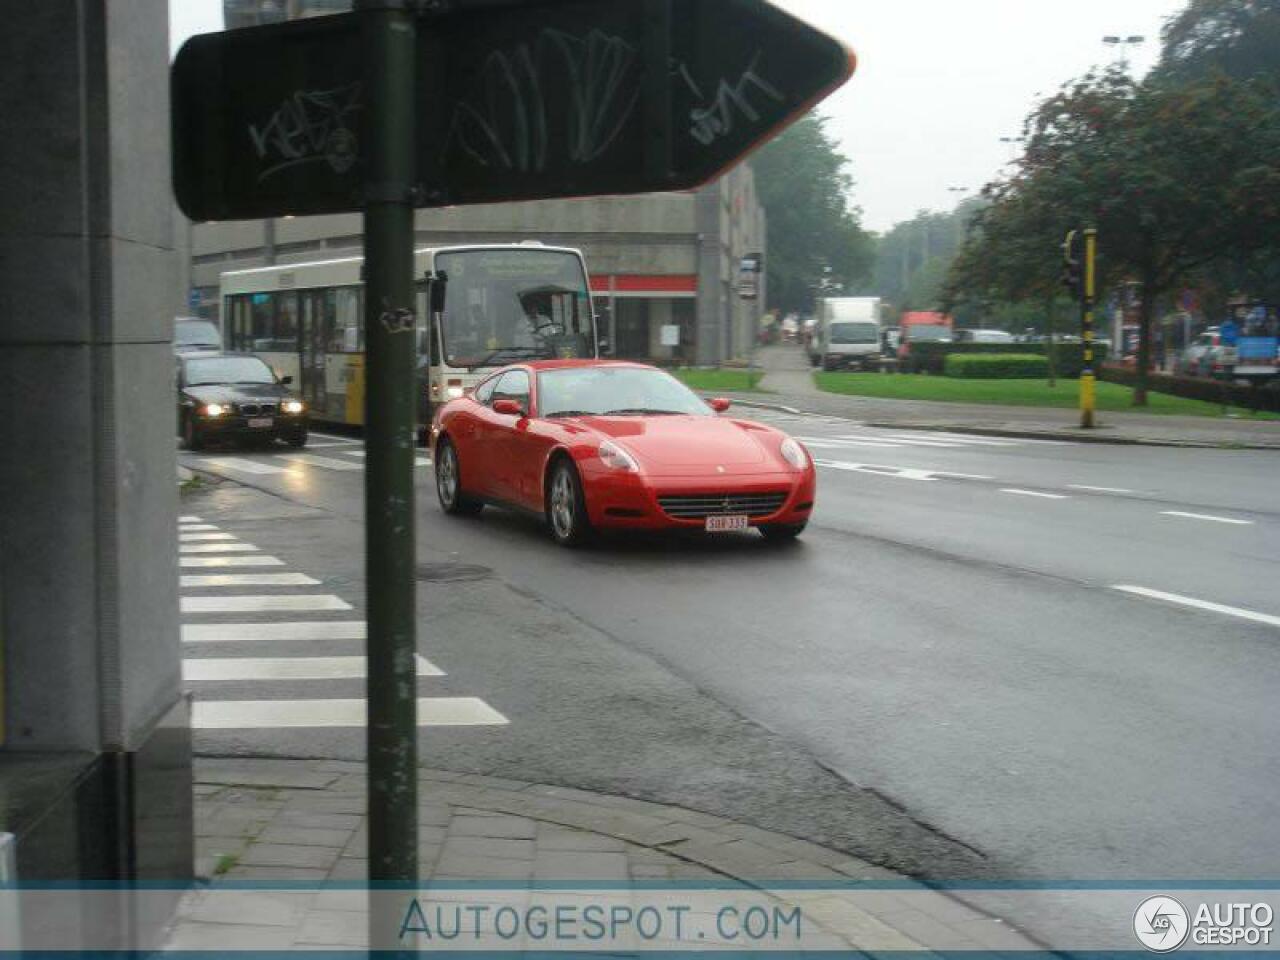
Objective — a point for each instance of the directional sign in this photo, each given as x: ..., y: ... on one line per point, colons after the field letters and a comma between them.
x: 554, y: 98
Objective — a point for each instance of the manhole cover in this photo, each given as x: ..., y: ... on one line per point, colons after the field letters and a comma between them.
x: 452, y: 572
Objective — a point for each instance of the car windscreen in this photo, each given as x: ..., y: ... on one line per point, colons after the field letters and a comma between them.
x: 188, y: 333
x: 504, y: 305
x: 929, y: 332
x: 855, y: 333
x: 211, y: 370
x: 620, y: 391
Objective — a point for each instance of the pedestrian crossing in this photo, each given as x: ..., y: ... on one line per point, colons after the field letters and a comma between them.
x: 207, y: 637
x: 340, y: 456
x: 883, y: 440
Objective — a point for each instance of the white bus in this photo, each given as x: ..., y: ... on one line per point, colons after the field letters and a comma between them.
x: 502, y: 303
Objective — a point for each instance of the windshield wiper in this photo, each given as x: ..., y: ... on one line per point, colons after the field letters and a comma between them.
x: 642, y: 412
x: 512, y: 353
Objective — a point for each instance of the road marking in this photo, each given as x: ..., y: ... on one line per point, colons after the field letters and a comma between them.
x: 1092, y: 489
x: 288, y: 668
x: 196, y: 527
x: 189, y: 519
x: 1266, y: 618
x: 327, y: 463
x: 222, y: 562
x: 197, y: 537
x: 262, y: 714
x: 333, y: 439
x: 958, y: 440
x: 290, y: 630
x: 216, y: 548
x: 322, y: 446
x: 1205, y: 516
x: 262, y: 603
x: 243, y: 466
x: 1035, y: 493
x: 248, y: 580
x: 901, y: 473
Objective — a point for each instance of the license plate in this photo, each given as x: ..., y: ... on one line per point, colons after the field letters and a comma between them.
x: 719, y: 524
x: 261, y: 423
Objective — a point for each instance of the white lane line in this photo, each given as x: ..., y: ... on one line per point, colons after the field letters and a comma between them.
x: 1205, y: 516
x: 328, y: 463
x: 958, y: 440
x: 232, y: 561
x: 197, y: 537
x: 353, y: 453
x: 262, y: 603
x: 831, y: 444
x: 334, y: 439
x: 288, y: 668
x: 1256, y: 617
x: 216, y: 548
x: 247, y: 580
x: 274, y: 714
x: 189, y: 519
x: 323, y: 446
x: 289, y: 630
x: 1093, y: 489
x: 243, y: 466
x: 901, y: 473
x: 1035, y: 493
x: 422, y: 461
x: 196, y: 527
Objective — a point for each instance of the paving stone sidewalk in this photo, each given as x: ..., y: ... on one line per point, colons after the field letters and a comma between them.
x: 303, y: 821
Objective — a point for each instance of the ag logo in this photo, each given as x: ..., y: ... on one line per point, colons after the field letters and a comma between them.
x: 1161, y: 924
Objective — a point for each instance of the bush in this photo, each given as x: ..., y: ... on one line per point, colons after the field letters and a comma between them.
x: 1199, y: 388
x: 997, y: 366
x: 931, y: 357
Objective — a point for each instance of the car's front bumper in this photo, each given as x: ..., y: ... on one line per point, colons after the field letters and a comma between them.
x: 283, y: 426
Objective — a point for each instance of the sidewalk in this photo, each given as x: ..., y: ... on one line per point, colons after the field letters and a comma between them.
x: 789, y: 382
x: 302, y: 821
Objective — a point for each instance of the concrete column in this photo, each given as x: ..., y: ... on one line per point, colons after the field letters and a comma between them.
x: 710, y: 298
x: 89, y: 285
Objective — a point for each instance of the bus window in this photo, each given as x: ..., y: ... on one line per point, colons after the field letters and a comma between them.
x: 262, y: 322
x: 284, y: 336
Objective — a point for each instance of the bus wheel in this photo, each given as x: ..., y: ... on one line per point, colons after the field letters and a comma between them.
x: 449, y: 482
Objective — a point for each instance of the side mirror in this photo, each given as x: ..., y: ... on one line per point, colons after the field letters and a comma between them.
x: 508, y: 408
x: 285, y: 381
x: 719, y: 404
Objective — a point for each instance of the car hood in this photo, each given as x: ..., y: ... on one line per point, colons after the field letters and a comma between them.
x: 682, y: 442
x: 236, y: 393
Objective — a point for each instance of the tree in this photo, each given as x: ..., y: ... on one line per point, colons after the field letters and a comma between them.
x: 816, y: 240
x: 1240, y: 38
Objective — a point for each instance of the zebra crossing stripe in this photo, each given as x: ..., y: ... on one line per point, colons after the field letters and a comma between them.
x: 327, y: 462
x: 247, y: 580
x: 243, y: 466
x: 187, y: 518
x: 195, y: 527
x: 231, y: 561
x: 277, y: 714
x: 290, y: 630
x: 262, y: 603
x: 204, y: 537
x: 216, y: 548
x: 288, y: 668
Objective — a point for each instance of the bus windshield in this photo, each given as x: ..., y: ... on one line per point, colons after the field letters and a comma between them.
x: 504, y: 305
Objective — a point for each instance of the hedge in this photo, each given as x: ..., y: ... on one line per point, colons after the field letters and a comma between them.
x: 997, y: 366
x: 930, y: 357
x: 1199, y: 388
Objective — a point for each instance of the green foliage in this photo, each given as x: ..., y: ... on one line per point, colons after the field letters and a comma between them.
x: 913, y: 258
x: 997, y: 366
x: 817, y: 245
x: 931, y: 357
x: 1199, y: 388
x: 1240, y: 38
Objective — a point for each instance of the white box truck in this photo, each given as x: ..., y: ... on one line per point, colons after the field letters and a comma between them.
x: 848, y: 333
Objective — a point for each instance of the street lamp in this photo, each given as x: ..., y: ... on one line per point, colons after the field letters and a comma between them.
x: 1123, y: 44
x: 1013, y: 146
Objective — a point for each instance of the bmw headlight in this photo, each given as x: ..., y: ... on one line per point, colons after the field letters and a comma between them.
x: 294, y: 406
x: 617, y: 458
x: 794, y: 453
x: 214, y: 410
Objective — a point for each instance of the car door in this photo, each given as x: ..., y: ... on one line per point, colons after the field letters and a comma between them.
x: 500, y: 434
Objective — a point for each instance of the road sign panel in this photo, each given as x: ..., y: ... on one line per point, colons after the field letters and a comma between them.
x: 556, y: 98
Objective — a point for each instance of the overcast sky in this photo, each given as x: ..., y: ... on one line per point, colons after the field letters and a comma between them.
x: 939, y: 82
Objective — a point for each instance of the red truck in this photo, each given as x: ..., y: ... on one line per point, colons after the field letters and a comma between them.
x: 921, y: 327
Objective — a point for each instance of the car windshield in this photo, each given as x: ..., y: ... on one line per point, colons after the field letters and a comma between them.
x: 191, y: 333
x: 929, y: 332
x: 617, y: 391
x: 211, y: 370
x: 855, y: 333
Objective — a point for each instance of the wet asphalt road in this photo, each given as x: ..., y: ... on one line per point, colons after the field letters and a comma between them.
x: 943, y: 676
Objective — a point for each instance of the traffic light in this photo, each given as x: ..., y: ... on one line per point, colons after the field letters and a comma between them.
x: 1072, y: 270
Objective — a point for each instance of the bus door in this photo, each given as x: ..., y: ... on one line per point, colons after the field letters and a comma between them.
x: 311, y: 349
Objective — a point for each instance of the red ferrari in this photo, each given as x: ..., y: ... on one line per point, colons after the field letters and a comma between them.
x: 595, y: 444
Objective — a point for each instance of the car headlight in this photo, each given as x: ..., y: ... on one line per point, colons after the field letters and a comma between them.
x: 294, y: 406
x: 794, y: 453
x: 214, y: 410
x: 616, y: 458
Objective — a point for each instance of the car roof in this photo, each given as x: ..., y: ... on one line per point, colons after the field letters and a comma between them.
x: 539, y: 365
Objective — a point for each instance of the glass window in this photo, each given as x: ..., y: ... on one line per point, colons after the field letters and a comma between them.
x: 617, y: 391
x: 852, y: 333
x: 219, y: 370
x: 348, y: 327
x: 485, y: 390
x: 262, y: 322
x: 285, y: 335
x: 513, y: 385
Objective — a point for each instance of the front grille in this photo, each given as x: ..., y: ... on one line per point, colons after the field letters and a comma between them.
x: 698, y: 505
x: 256, y: 409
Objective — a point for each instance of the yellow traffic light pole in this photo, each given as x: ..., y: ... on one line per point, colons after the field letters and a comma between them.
x: 1088, y: 378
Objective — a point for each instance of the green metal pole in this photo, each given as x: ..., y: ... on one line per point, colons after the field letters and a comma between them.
x: 390, y: 344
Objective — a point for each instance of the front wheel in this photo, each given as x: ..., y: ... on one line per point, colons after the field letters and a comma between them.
x: 449, y: 483
x: 782, y: 532
x: 567, y: 506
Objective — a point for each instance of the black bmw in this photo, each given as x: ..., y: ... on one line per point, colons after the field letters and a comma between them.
x: 236, y: 397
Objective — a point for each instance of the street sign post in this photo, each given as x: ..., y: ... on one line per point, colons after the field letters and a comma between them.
x: 407, y: 103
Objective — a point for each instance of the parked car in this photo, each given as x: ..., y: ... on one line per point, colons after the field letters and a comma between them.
x: 192, y: 334
x: 226, y: 396
x: 1198, y: 359
x: 984, y: 336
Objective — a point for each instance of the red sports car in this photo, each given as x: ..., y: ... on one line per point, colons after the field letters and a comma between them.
x: 593, y: 444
